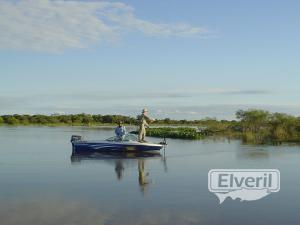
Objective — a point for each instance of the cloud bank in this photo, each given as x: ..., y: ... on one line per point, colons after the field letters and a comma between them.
x: 174, y: 103
x: 57, y: 25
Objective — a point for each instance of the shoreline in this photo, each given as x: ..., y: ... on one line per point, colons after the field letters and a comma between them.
x: 251, y: 126
x: 180, y: 132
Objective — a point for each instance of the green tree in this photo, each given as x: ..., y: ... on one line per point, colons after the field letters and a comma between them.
x: 65, y: 119
x: 11, y: 120
x: 98, y: 118
x: 253, y: 120
x: 283, y: 126
x: 24, y: 119
x: 87, y: 120
x: 167, y: 121
x: 107, y: 119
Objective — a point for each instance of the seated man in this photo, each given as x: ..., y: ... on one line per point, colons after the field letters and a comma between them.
x: 120, y: 131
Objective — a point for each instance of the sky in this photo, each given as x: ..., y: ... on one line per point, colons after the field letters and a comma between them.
x: 180, y: 59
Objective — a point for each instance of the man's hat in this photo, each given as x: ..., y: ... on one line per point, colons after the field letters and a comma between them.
x: 145, y: 110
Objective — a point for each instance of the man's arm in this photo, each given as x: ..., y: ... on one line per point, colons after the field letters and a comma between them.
x: 146, y: 124
x: 150, y: 120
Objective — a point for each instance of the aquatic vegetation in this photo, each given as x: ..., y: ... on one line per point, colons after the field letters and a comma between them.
x: 174, y: 132
x: 258, y: 126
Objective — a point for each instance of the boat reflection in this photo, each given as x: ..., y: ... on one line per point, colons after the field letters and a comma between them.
x: 122, y: 161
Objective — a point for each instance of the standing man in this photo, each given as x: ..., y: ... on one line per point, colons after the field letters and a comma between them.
x: 143, y: 124
x: 120, y: 131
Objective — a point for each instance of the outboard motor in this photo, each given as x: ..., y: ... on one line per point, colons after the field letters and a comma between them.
x: 76, y: 138
x: 164, y: 142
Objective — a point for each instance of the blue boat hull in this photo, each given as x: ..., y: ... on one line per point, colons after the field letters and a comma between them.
x: 82, y: 148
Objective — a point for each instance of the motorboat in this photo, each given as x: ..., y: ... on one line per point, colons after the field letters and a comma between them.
x: 129, y: 143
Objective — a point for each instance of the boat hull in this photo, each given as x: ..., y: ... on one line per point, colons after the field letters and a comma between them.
x: 88, y: 147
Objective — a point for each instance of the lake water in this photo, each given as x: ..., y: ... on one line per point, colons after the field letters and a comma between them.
x: 41, y: 184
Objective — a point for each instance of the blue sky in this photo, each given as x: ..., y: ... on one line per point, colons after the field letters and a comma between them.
x: 181, y: 59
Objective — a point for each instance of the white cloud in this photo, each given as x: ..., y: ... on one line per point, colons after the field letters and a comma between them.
x: 57, y: 25
x: 236, y: 91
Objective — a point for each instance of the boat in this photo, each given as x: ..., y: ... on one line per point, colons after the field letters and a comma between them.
x: 129, y: 143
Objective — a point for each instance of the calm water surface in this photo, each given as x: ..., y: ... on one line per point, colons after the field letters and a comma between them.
x: 40, y: 183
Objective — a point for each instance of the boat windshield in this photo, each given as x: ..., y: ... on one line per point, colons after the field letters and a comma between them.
x: 127, y: 137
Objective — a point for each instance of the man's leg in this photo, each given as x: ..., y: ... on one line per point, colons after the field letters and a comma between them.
x: 144, y: 135
x: 140, y: 135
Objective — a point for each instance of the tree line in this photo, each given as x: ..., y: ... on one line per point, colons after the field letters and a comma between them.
x: 72, y: 119
x: 98, y: 119
x: 252, y: 125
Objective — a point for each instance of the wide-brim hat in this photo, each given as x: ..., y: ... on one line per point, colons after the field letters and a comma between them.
x: 145, y: 110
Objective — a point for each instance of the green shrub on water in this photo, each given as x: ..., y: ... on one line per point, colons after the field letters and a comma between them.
x: 260, y: 137
x: 280, y: 133
x: 248, y: 137
x: 174, y: 132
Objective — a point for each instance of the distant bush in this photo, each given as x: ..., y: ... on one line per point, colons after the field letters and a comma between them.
x: 10, y: 120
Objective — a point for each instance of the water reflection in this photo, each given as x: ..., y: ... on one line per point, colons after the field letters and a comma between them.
x: 119, y: 168
x: 143, y: 181
x: 55, y: 211
x: 252, y: 153
x: 122, y: 161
